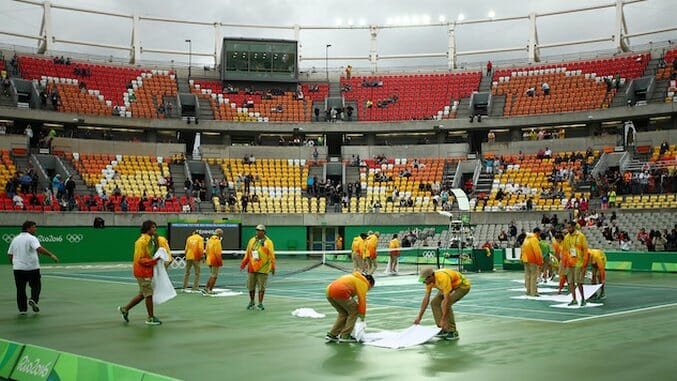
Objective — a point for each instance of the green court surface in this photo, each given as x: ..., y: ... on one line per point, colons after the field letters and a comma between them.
x: 215, y: 338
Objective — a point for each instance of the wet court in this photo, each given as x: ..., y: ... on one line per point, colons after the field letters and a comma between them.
x: 215, y: 338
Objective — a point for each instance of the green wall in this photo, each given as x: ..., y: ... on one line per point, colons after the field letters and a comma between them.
x: 283, y: 237
x: 80, y: 244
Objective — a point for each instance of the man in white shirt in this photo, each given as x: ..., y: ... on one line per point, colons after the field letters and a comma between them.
x: 23, y: 255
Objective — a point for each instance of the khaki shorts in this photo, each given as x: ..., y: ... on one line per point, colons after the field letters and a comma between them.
x: 214, y: 271
x: 579, y: 275
x: 257, y: 280
x: 145, y: 286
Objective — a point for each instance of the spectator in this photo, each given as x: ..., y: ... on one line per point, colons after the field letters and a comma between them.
x: 530, y: 92
x: 349, y: 71
x: 489, y: 67
x: 546, y: 88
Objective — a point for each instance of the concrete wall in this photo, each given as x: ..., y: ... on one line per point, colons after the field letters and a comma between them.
x: 12, y: 141
x: 116, y: 147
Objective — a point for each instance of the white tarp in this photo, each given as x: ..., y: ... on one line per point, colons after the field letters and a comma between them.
x: 163, y: 290
x: 307, y: 313
x: 412, y: 336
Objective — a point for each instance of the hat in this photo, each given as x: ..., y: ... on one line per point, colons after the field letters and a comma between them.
x: 261, y: 227
x: 426, y: 271
x: 218, y: 232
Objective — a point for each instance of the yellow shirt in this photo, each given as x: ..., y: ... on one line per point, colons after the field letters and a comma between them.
x: 394, y: 245
x: 370, y: 245
x: 576, y: 245
x: 213, y: 251
x: 260, y: 256
x: 195, y: 247
x: 447, y: 280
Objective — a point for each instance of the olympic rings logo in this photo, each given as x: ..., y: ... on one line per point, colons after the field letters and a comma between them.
x: 74, y: 238
x: 178, y: 263
x: 429, y: 254
x: 8, y: 237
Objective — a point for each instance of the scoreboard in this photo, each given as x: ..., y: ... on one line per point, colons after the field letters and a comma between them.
x: 179, y: 230
x: 259, y: 60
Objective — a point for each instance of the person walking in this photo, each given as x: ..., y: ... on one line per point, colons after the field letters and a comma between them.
x: 371, y: 256
x: 532, y: 258
x: 452, y: 287
x: 23, y: 253
x: 144, y: 249
x: 576, y: 245
x: 195, y: 247
x: 260, y: 261
x: 341, y: 294
x: 394, y: 247
x: 357, y: 248
x: 214, y: 260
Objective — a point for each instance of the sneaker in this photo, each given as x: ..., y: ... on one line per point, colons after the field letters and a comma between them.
x: 573, y: 303
x: 441, y: 333
x: 153, y: 321
x: 204, y: 292
x: 125, y: 313
x: 451, y: 336
x: 260, y: 307
x: 34, y: 305
x: 251, y: 306
x: 22, y: 313
x: 602, y: 297
x: 347, y: 339
x: 330, y: 337
x: 583, y: 303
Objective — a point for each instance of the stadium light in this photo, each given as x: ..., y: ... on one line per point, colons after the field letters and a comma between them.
x: 190, y: 56
x: 492, y: 14
x: 460, y: 17
x: 326, y: 61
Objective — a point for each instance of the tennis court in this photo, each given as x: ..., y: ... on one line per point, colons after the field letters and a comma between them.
x: 216, y: 338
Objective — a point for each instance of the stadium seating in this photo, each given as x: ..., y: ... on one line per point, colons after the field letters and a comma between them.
x: 278, y: 184
x: 533, y: 174
x: 105, y: 87
x: 235, y: 107
x: 574, y: 86
x: 415, y: 186
x: 419, y: 96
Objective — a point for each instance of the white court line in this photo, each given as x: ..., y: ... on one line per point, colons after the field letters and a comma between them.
x: 88, y: 279
x: 623, y: 312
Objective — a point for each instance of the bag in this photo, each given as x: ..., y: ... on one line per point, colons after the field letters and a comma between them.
x: 99, y: 223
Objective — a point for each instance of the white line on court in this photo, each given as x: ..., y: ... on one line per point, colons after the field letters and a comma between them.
x: 622, y: 312
x: 89, y: 279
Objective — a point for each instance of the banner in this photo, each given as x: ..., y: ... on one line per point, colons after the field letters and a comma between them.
x: 35, y: 364
x: 9, y: 354
x: 80, y: 244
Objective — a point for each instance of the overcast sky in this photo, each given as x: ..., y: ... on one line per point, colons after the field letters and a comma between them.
x: 18, y: 17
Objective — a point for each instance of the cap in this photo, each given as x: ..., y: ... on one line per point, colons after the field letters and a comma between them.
x: 261, y: 227
x: 426, y: 271
x: 369, y: 278
x: 218, y: 232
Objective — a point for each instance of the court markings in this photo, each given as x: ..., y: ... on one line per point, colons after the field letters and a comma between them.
x: 390, y: 296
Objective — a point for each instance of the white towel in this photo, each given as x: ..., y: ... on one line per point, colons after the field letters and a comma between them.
x: 163, y: 290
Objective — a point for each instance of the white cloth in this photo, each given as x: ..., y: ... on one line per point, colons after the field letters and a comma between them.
x: 307, y: 312
x: 412, y: 336
x: 163, y: 290
x: 24, y: 249
x: 358, y: 331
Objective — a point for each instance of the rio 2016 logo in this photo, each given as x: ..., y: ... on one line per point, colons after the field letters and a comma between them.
x: 70, y: 238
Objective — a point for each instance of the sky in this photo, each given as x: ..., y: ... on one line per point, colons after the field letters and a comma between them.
x: 22, y: 18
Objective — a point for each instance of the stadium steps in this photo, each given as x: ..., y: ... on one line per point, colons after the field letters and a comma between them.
x: 7, y: 101
x: 184, y: 86
x: 463, y: 110
x: 448, y: 173
x: 80, y: 187
x: 178, y: 172
x: 206, y: 111
x: 484, y: 183
x: 497, y: 105
x: 485, y: 84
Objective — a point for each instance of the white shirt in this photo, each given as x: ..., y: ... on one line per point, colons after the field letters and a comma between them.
x: 24, y: 248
